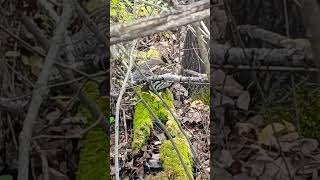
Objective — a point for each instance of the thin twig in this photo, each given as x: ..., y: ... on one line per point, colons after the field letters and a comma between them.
x: 122, y: 90
x: 125, y: 125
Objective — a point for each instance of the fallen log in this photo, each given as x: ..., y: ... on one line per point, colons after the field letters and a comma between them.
x: 222, y: 55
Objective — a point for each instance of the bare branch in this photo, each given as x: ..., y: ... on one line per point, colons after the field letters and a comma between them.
x: 123, y: 88
x: 39, y: 93
x: 189, y: 14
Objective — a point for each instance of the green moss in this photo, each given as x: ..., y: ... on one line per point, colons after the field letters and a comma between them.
x: 142, y: 122
x: 173, y: 127
x: 309, y: 113
x: 203, y: 95
x: 171, y: 163
x: 94, y: 154
x: 142, y: 125
x: 93, y: 157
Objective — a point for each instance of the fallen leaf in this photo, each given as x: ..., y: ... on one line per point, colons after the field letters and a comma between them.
x: 268, y: 131
x: 243, y: 101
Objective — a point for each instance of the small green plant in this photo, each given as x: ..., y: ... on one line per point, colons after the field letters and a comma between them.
x: 112, y: 120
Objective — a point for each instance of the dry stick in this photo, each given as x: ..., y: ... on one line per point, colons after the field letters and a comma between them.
x: 125, y: 125
x: 174, y: 117
x: 39, y: 93
x: 166, y: 132
x: 122, y: 90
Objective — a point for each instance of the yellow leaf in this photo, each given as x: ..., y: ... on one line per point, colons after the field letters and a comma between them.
x: 196, y: 103
x: 269, y: 131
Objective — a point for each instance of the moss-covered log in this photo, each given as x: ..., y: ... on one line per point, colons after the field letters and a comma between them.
x: 143, y: 127
x: 142, y: 122
x: 94, y: 154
